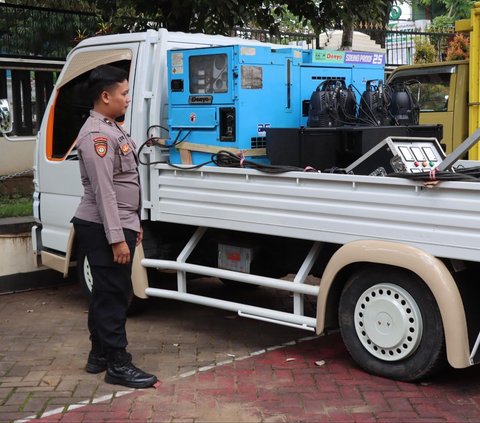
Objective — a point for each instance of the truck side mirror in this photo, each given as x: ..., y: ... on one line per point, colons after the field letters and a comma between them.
x: 5, y: 117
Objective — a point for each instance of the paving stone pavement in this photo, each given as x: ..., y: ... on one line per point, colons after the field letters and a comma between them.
x: 214, y: 367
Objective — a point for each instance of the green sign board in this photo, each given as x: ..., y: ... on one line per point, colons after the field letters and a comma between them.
x: 395, y: 13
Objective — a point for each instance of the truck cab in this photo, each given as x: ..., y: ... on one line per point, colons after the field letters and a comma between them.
x: 56, y: 172
x: 441, y: 90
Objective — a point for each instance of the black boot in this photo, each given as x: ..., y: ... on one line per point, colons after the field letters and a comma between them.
x: 121, y: 371
x: 96, y: 363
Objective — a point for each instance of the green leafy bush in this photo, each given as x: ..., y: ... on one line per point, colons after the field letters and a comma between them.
x: 425, y: 52
x: 15, y: 205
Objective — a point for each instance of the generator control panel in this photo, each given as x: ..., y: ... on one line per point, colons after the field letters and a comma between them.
x: 399, y: 154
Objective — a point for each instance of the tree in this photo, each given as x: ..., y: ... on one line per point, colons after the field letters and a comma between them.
x: 357, y: 12
x: 79, y: 5
x: 219, y: 16
x: 453, y: 10
x: 39, y: 32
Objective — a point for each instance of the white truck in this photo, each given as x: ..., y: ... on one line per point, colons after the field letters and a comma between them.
x: 397, y: 258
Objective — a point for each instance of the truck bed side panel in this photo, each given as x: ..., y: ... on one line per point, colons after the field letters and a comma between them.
x: 443, y: 220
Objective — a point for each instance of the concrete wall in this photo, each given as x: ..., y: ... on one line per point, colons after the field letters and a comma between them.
x: 17, y: 255
x: 17, y: 268
x: 16, y: 156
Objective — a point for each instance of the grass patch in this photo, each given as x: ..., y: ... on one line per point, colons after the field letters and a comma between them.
x: 15, y: 205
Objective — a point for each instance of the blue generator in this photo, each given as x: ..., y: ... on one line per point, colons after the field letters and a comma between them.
x: 323, y: 71
x: 225, y: 98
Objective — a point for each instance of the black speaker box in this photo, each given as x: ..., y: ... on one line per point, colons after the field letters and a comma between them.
x: 325, y: 148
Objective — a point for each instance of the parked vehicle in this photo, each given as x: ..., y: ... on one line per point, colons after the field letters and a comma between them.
x: 447, y: 92
x: 441, y: 90
x: 395, y: 255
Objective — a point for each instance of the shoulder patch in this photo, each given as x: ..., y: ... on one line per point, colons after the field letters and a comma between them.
x: 101, y: 147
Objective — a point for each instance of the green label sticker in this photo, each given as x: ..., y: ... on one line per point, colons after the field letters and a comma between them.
x: 327, y: 56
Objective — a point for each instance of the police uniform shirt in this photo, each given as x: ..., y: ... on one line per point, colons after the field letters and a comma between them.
x: 108, y: 168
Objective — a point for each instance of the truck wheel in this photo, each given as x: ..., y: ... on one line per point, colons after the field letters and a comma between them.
x: 135, y: 304
x: 391, y: 325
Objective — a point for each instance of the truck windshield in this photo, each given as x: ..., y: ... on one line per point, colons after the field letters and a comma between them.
x: 430, y: 90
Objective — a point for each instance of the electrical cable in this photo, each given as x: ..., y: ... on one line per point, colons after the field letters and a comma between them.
x: 155, y: 141
x: 227, y: 159
x: 151, y: 140
x: 156, y: 126
x: 222, y: 159
x: 436, y: 176
x: 473, y: 171
x: 369, y: 114
x: 148, y: 143
x: 188, y: 167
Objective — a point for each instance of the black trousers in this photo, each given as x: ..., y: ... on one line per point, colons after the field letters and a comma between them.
x: 112, y: 286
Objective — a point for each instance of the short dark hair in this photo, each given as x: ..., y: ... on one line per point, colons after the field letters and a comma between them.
x: 104, y: 77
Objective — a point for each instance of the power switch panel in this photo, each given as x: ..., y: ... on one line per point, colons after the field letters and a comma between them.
x: 227, y: 124
x: 399, y: 154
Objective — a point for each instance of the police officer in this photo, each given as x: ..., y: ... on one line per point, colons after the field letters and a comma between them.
x: 107, y: 225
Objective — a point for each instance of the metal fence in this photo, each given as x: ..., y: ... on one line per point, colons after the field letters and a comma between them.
x: 297, y: 38
x: 27, y: 85
x: 400, y: 45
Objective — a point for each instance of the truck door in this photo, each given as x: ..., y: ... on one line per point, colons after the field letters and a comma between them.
x: 57, y: 180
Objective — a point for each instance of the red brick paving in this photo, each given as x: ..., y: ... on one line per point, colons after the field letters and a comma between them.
x: 44, y: 345
x: 271, y: 388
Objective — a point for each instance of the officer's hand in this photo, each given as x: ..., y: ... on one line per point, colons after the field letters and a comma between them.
x: 139, y: 237
x: 121, y: 252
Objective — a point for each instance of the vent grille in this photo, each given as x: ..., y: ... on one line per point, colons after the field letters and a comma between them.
x: 326, y: 78
x: 259, y: 142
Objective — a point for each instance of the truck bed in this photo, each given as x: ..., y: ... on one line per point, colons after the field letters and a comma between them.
x: 443, y: 220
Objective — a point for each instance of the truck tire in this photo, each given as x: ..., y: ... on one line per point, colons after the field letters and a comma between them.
x: 391, y: 325
x: 135, y: 304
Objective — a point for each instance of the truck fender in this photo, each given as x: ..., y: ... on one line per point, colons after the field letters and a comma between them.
x: 430, y: 269
x: 58, y: 262
x: 139, y: 273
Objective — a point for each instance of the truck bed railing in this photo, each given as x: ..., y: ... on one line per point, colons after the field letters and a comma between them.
x: 298, y: 287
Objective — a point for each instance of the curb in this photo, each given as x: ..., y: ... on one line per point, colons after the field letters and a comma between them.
x: 25, y: 281
x: 28, y: 281
x: 16, y: 225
